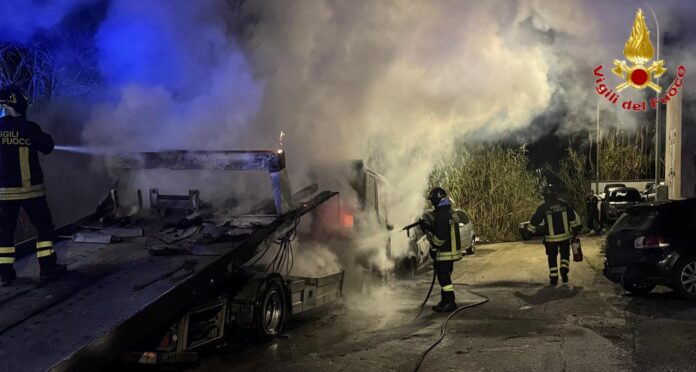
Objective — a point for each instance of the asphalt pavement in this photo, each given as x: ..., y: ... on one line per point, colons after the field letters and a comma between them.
x: 590, y: 325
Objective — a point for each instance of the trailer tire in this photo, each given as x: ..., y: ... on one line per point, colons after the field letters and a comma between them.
x: 271, y: 308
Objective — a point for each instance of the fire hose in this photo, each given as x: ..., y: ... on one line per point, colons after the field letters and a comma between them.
x: 443, y: 327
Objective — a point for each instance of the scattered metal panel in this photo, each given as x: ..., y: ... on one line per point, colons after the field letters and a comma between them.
x: 28, y: 247
x: 95, y: 237
x: 120, y: 232
x: 272, y: 161
x: 161, y: 202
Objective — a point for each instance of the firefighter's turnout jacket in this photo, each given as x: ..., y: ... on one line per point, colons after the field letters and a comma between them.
x: 559, y: 221
x: 441, y: 226
x: 21, y: 176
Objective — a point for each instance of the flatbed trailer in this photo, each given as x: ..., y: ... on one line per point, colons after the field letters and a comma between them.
x: 117, y: 293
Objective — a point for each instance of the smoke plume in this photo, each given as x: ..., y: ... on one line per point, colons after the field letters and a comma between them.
x: 396, y: 83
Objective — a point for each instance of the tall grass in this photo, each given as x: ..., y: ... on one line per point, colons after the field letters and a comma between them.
x: 572, y: 175
x: 624, y: 155
x: 492, y: 184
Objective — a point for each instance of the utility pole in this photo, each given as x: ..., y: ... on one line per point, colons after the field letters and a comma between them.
x: 597, y: 154
x: 657, y: 107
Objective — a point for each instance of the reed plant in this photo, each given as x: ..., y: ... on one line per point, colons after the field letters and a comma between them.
x: 493, y: 185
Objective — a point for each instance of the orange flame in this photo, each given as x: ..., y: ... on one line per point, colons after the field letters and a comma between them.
x: 638, y: 48
x: 347, y: 220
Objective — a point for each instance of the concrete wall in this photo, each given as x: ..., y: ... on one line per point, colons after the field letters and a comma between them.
x: 680, y: 152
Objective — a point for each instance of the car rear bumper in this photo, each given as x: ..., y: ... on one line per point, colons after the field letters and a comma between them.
x: 646, y: 272
x: 634, y: 272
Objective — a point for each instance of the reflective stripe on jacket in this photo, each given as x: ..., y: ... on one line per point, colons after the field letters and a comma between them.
x: 559, y: 221
x: 21, y: 176
x: 442, y: 230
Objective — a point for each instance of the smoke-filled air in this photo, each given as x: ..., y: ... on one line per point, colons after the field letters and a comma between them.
x: 394, y: 83
x: 347, y: 185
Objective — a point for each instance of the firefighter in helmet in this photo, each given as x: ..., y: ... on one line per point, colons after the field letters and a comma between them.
x: 561, y: 226
x: 22, y: 185
x: 441, y: 226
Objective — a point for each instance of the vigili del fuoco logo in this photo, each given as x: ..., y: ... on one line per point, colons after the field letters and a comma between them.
x: 640, y: 74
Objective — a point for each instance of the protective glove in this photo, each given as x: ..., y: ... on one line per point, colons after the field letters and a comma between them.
x: 40, y: 140
x: 433, y: 253
x: 426, y: 223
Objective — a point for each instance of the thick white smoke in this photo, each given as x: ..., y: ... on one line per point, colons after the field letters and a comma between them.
x: 397, y: 83
x: 394, y: 83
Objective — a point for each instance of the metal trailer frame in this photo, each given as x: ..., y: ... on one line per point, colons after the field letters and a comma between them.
x: 197, y: 287
x: 260, y: 160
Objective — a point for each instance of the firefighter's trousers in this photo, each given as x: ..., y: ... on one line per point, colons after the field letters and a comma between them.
x: 40, y: 216
x: 552, y: 250
x: 443, y: 270
x: 593, y: 222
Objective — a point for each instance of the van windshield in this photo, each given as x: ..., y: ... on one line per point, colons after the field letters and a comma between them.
x: 639, y: 219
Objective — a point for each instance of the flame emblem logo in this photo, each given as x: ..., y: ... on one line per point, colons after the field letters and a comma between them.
x: 639, y: 50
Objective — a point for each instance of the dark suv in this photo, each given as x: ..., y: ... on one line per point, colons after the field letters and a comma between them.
x: 654, y: 243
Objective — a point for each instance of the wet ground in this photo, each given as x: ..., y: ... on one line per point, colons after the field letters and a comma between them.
x: 591, y: 325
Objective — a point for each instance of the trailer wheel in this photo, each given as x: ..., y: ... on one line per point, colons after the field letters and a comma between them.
x: 271, y: 308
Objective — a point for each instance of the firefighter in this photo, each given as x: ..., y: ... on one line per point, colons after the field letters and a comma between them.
x: 441, y: 226
x: 561, y: 225
x: 21, y: 185
x: 591, y: 202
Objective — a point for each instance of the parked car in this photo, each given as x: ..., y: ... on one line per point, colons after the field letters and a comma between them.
x: 608, y: 188
x: 616, y: 201
x: 653, y: 244
x: 418, y: 252
x: 650, y: 192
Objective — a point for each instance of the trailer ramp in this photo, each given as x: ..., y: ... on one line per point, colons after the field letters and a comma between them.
x: 114, y: 294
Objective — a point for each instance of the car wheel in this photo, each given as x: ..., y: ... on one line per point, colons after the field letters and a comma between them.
x: 271, y: 309
x: 472, y: 247
x: 638, y: 288
x: 685, y: 278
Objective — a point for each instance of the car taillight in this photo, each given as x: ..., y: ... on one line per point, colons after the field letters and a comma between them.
x: 646, y: 242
